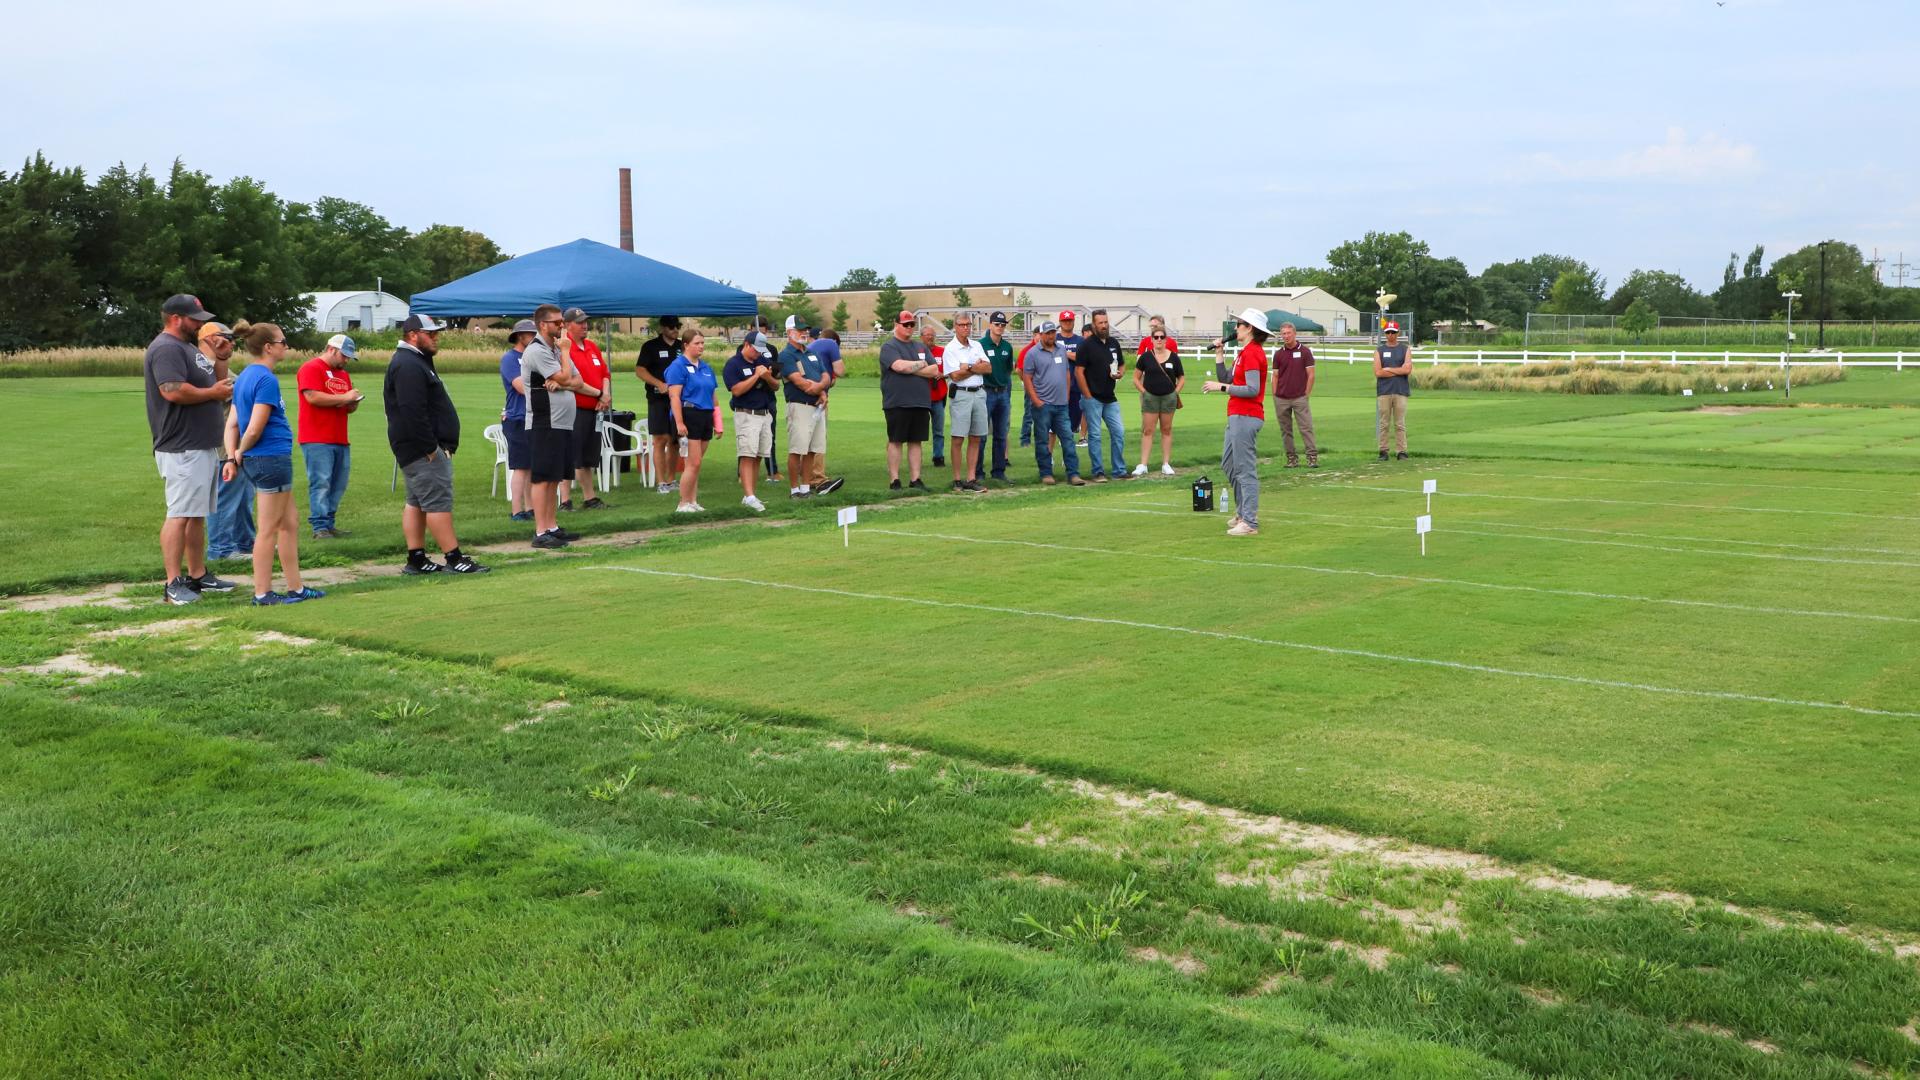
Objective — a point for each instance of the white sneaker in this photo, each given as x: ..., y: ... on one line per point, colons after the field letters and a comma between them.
x: 663, y: 489
x: 1241, y: 528
x: 753, y: 503
x: 698, y: 509
x: 1166, y: 468
x: 1140, y: 469
x: 686, y: 508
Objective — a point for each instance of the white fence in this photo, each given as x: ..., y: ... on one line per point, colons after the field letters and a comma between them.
x: 1682, y: 357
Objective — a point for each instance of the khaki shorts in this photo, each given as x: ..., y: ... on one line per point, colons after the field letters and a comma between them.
x: 806, y: 429
x: 191, y: 477
x: 969, y: 414
x: 752, y: 435
x: 1158, y: 403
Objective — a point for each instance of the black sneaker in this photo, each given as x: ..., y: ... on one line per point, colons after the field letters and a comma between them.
x: 340, y: 532
x: 917, y: 486
x: 939, y: 462
x: 565, y: 533
x: 465, y: 565
x: 548, y: 541
x: 895, y: 486
x: 961, y: 485
x: 567, y: 506
x: 324, y: 534
x: 829, y: 486
x: 596, y: 503
x: 808, y: 494
x: 524, y: 515
x: 974, y: 485
x: 1383, y: 455
x: 208, y: 583
x: 425, y: 567
x: 1403, y: 455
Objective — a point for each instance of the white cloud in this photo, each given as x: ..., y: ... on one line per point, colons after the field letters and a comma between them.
x: 1709, y: 158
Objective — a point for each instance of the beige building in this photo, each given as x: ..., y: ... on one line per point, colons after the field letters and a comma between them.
x: 1189, y: 312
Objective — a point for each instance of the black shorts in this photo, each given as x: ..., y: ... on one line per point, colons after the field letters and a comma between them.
x: 909, y: 425
x: 699, y: 424
x: 552, y: 460
x: 660, y: 416
x: 586, y: 439
x: 519, y: 447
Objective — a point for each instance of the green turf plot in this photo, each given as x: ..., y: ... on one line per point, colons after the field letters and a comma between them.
x: 1651, y: 710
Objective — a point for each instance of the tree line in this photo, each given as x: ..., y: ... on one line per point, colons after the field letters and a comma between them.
x: 89, y: 262
x: 1441, y: 289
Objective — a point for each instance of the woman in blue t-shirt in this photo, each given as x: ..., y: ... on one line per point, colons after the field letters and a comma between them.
x: 260, y: 442
x: 690, y: 387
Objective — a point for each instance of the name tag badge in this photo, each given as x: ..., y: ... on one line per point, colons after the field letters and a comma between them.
x: 1059, y: 360
x: 1296, y: 354
x: 663, y: 354
x: 923, y: 356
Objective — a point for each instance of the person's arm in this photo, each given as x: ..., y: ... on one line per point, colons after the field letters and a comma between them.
x: 1026, y: 379
x: 1309, y: 390
x: 1139, y: 380
x: 647, y: 377
x: 744, y: 385
x: 230, y: 442
x: 1080, y: 377
x: 256, y: 427
x: 1380, y: 372
x: 411, y: 408
x: 679, y: 419
x: 1252, y: 389
x: 329, y: 401
x: 170, y: 378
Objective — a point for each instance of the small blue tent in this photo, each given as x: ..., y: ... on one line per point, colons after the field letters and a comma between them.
x: 601, y: 280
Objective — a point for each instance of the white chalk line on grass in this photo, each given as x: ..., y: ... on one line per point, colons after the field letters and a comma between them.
x: 1672, y: 483
x: 1415, y: 578
x: 1343, y: 523
x: 1301, y: 646
x: 1637, y: 502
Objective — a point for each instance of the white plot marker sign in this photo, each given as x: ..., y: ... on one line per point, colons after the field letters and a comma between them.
x: 845, y: 519
x: 1423, y: 525
x: 1427, y: 488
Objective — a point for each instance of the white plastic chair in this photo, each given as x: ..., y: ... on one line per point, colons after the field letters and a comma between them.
x: 497, y: 435
x: 639, y: 447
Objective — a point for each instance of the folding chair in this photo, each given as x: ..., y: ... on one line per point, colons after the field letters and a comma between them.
x: 497, y: 435
x: 640, y: 447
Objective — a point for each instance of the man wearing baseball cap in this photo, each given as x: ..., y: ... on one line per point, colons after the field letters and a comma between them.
x: 230, y: 530
x: 1392, y: 365
x: 424, y: 430
x: 1070, y: 342
x: 999, y: 384
x: 750, y: 377
x: 1046, y: 376
x: 327, y: 398
x: 656, y: 356
x: 804, y: 378
x: 907, y: 371
x: 186, y: 391
x: 591, y: 402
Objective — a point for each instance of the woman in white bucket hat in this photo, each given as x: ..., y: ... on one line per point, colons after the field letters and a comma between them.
x: 1246, y: 390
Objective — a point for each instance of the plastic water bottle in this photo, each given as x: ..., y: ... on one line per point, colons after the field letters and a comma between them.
x: 1226, y: 499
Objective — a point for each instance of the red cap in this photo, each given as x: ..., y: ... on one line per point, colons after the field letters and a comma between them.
x: 1066, y: 316
x: 904, y: 317
x: 1393, y: 328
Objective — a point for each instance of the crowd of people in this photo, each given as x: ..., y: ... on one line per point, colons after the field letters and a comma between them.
x: 223, y: 445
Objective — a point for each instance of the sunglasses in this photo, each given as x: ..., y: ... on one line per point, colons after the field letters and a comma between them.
x: 1159, y: 337
x: 281, y: 341
x: 552, y: 322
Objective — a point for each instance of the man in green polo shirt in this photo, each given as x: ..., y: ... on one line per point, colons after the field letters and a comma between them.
x: 999, y: 383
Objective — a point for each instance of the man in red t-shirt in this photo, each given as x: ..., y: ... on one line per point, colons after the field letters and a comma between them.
x: 929, y: 331
x: 591, y: 402
x: 327, y: 398
x: 1159, y: 323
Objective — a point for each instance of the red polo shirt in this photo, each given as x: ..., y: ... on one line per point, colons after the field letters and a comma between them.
x: 939, y: 385
x: 1146, y: 346
x: 1290, y: 369
x: 592, y: 367
x: 321, y: 423
x: 1247, y: 371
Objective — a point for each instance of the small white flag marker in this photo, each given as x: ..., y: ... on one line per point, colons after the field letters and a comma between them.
x: 845, y: 518
x: 1423, y: 525
x: 1427, y: 488
x: 1686, y: 391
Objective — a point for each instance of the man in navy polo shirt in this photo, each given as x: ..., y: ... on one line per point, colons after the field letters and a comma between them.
x: 1070, y: 342
x: 999, y: 383
x: 751, y: 381
x: 804, y: 379
x: 826, y: 346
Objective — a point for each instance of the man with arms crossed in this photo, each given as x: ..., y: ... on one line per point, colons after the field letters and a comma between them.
x: 964, y: 365
x: 804, y: 379
x: 1392, y: 365
x: 1046, y: 376
x: 185, y: 389
x: 547, y: 371
x: 656, y: 355
x: 907, y: 371
x: 750, y: 379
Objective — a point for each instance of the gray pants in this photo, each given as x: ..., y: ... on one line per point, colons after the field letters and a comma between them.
x: 1240, y: 461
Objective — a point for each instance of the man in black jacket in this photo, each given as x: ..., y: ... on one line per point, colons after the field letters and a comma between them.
x: 424, y: 431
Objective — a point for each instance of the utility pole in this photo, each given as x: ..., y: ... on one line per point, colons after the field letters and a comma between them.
x: 1900, y: 268
x: 1874, y: 264
x: 1790, y: 296
x: 1823, y: 292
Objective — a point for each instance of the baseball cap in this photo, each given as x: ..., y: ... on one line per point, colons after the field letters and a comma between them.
x: 345, y: 345
x: 1048, y: 328
x: 795, y: 322
x: 757, y: 341
x: 1066, y: 316
x: 671, y: 322
x: 214, y: 329
x: 998, y: 318
x: 524, y: 326
x: 1393, y: 328
x: 905, y: 317
x: 421, y: 322
x: 574, y: 314
x: 183, y: 304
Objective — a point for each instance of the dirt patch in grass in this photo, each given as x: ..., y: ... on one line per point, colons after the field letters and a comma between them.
x: 1045, y: 881
x: 151, y: 629
x: 1541, y: 997
x: 1376, y: 957
x: 539, y: 715
x: 275, y: 637
x: 1184, y: 963
x: 1736, y: 410
x: 104, y: 596
x: 81, y: 669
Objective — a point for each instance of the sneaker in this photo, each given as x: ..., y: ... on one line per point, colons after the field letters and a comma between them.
x: 565, y: 533
x: 1166, y: 468
x: 799, y: 494
x: 269, y: 599
x: 179, y: 592
x: 895, y: 486
x: 974, y: 485
x: 753, y: 503
x: 596, y: 503
x: 465, y: 565
x: 548, y: 541
x: 340, y: 532
x: 1080, y: 444
x: 1293, y: 464
x: 698, y: 509
x: 1074, y: 481
x: 208, y: 583
x: 686, y: 508
x: 524, y: 515
x: 1403, y: 455
x: 427, y: 567
x: 1241, y: 528
x: 323, y: 534
x: 1383, y: 455
x: 567, y: 506
x: 1140, y: 469
x: 1099, y: 478
x: 306, y: 593
x: 829, y: 486
x: 1313, y: 464
x: 663, y: 489
x: 916, y: 485
x: 940, y: 462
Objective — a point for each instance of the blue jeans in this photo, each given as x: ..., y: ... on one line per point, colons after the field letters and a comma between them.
x: 328, y: 465
x: 1026, y: 419
x: 230, y: 531
x: 1052, y: 419
x: 940, y: 431
x: 1105, y: 414
x: 999, y: 412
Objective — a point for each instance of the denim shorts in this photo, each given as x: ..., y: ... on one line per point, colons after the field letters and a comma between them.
x: 269, y: 475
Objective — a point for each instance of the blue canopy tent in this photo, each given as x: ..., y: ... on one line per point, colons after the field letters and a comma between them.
x: 599, y: 279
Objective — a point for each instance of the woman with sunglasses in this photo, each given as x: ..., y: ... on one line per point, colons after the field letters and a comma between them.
x: 1246, y: 390
x: 690, y: 390
x: 1158, y: 376
x: 264, y: 449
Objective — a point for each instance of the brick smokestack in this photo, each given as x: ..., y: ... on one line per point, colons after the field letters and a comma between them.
x: 626, y: 209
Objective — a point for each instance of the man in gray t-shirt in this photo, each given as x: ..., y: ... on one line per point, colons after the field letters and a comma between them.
x: 907, y: 371
x: 1048, y: 376
x: 1392, y: 365
x: 185, y: 391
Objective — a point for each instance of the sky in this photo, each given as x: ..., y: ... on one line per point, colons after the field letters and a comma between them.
x: 1198, y: 145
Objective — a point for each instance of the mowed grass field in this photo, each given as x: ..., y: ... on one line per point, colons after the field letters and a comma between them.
x: 1624, y: 763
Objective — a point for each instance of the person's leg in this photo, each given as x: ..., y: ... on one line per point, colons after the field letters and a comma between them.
x: 518, y: 481
x: 1061, y: 423
x: 289, y: 545
x: 962, y: 464
x: 342, y: 473
x: 1400, y: 421
x: 1147, y: 422
x: 1042, y: 453
x: 546, y: 511
x: 1303, y: 412
x: 193, y: 547
x: 272, y: 517
x: 1283, y: 415
x: 893, y: 462
x: 1026, y: 420
x: 319, y: 464
x: 1166, y: 439
x: 1116, y: 435
x: 440, y: 524
x: 914, y: 453
x: 999, y: 406
x: 975, y: 445
x: 1096, y: 421
x: 1380, y: 423
x: 939, y: 432
x: 173, y: 543
x: 690, y: 470
x: 413, y: 527
x: 1245, y: 431
x: 749, y: 470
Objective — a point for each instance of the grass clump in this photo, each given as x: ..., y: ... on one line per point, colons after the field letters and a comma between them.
x: 1590, y: 377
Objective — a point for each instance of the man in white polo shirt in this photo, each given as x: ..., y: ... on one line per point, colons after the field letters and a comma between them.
x: 965, y: 365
